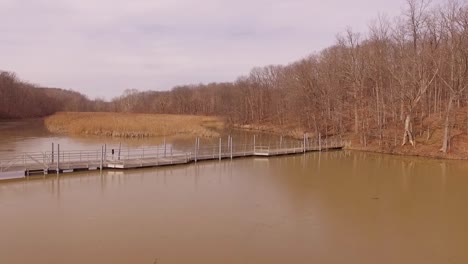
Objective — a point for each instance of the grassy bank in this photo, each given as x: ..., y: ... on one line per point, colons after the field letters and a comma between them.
x: 133, y: 125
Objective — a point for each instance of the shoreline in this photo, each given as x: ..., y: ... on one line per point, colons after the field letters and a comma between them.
x: 423, y: 150
x: 209, y: 127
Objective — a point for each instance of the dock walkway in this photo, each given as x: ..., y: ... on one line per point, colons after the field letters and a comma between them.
x: 56, y: 161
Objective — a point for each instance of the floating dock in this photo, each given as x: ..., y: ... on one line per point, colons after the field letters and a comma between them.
x: 56, y: 161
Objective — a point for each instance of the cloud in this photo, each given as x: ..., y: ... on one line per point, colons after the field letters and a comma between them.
x: 103, y: 47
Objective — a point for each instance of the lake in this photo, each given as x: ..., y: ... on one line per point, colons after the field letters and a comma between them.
x: 333, y: 207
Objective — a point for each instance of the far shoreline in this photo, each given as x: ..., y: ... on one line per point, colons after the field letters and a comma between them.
x: 71, y: 124
x: 422, y: 149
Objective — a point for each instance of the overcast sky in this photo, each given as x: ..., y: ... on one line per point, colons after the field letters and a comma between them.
x: 102, y: 47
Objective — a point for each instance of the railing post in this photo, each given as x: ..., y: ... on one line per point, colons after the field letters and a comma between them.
x: 102, y: 157
x: 164, y: 146
x: 255, y: 138
x: 120, y: 147
x: 231, y: 147
x: 52, y: 153
x: 220, y: 147
x: 58, y: 159
x: 196, y: 149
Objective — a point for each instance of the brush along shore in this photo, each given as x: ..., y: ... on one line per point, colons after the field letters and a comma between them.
x: 133, y: 125
x: 428, y: 143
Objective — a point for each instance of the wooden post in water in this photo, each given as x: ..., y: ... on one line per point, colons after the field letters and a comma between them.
x: 105, y: 151
x: 58, y: 159
x: 220, y: 146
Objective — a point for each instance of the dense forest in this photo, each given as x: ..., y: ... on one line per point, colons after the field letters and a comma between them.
x: 20, y: 99
x: 405, y: 78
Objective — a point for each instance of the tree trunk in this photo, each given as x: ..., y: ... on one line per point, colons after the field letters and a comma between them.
x: 408, y: 135
x: 356, y: 119
x: 445, y: 142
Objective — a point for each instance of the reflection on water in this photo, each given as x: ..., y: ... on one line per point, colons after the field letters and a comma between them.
x: 337, y: 207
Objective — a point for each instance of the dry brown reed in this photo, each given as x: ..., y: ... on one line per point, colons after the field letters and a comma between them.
x: 133, y: 125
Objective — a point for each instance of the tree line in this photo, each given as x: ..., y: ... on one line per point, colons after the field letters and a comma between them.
x: 19, y: 99
x: 406, y: 77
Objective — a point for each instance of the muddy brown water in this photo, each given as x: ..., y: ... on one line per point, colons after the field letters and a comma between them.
x: 336, y: 207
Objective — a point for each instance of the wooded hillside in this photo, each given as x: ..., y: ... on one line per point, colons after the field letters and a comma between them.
x: 19, y: 99
x: 407, y: 76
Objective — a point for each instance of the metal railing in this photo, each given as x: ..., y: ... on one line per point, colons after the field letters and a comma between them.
x: 58, y: 160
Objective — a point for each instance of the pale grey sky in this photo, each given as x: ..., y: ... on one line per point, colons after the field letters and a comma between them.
x: 102, y: 47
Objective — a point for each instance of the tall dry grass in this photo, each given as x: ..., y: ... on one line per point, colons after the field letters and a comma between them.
x: 133, y: 125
